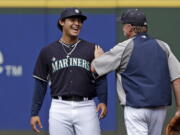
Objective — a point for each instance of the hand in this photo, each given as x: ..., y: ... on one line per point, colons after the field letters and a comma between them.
x: 34, y: 121
x: 103, y: 108
x: 98, y: 51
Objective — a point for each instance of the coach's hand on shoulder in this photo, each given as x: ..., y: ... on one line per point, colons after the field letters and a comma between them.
x: 35, y: 120
x: 103, y: 110
x: 98, y: 51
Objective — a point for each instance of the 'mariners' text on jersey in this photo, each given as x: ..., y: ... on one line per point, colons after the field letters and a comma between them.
x: 64, y: 63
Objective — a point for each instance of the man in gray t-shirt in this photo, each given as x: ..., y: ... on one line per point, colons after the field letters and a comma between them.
x: 145, y: 70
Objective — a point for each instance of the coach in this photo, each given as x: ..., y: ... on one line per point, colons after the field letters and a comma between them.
x: 145, y: 69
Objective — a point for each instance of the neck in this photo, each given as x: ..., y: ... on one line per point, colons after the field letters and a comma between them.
x: 69, y: 40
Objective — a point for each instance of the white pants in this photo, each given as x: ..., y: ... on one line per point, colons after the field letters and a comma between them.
x: 73, y: 118
x: 144, y: 121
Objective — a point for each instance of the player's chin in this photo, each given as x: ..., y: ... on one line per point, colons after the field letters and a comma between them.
x: 75, y: 32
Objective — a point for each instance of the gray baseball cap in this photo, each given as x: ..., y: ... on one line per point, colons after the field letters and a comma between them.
x: 71, y: 12
x: 134, y: 17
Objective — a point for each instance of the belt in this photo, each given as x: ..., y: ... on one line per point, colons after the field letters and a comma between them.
x: 72, y: 98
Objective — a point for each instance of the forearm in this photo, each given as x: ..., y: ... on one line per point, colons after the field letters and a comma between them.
x: 176, y: 87
x: 38, y: 97
x: 101, y: 89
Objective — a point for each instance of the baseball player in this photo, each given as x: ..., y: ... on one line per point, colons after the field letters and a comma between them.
x: 66, y: 65
x: 145, y: 69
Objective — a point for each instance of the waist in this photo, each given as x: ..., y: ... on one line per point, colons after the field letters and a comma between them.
x: 72, y: 98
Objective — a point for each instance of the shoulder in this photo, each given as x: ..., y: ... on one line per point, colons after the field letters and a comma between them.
x: 124, y: 44
x: 87, y: 43
x: 164, y: 46
x: 48, y: 49
x: 163, y: 43
x: 51, y: 46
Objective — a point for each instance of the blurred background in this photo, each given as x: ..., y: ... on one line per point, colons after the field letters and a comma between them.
x: 28, y: 25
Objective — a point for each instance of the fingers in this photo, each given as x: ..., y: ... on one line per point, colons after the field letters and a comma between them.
x: 102, y: 107
x: 98, y: 108
x: 98, y: 48
x: 35, y: 120
x: 35, y: 128
x: 102, y: 115
x: 98, y: 51
x: 40, y: 124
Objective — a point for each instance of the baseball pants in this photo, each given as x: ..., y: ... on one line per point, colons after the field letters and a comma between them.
x: 73, y: 118
x: 144, y: 121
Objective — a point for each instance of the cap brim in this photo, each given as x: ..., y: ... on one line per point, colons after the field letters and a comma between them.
x: 78, y: 16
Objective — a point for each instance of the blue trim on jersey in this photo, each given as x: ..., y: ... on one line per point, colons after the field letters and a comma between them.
x: 146, y: 80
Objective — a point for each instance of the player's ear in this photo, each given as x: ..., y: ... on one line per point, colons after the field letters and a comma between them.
x: 61, y: 22
x: 131, y: 28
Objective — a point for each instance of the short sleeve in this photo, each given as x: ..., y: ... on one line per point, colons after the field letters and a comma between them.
x: 110, y: 60
x: 41, y: 67
x: 174, y: 65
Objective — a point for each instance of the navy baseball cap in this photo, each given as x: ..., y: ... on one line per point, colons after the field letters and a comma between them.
x: 71, y: 12
x: 134, y: 17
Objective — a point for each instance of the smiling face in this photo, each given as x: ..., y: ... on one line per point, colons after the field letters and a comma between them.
x: 71, y: 26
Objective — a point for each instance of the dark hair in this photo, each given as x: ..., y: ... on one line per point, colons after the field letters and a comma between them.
x: 59, y: 25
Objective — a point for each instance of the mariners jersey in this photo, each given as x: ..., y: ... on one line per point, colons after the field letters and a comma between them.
x: 68, y: 75
x: 145, y: 68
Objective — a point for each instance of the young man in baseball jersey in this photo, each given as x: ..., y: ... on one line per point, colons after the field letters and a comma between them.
x: 145, y: 69
x: 66, y: 64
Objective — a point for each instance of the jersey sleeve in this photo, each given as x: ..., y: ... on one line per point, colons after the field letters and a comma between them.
x: 40, y: 89
x: 41, y: 67
x: 102, y: 89
x: 110, y: 60
x: 174, y: 65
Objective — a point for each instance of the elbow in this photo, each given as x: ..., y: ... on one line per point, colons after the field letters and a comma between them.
x: 176, y: 82
x: 176, y: 85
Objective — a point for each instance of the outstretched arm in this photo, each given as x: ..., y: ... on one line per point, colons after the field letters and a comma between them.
x: 109, y: 61
x: 38, y: 97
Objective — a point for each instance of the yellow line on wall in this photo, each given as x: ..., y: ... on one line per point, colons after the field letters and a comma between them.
x: 88, y: 3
